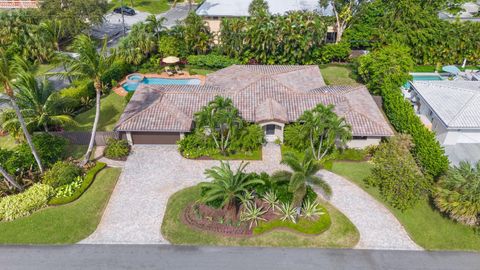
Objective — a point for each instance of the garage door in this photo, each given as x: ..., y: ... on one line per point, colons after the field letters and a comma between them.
x: 155, y: 137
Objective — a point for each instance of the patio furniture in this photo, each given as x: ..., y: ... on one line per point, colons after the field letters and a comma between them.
x: 178, y: 70
x: 169, y: 71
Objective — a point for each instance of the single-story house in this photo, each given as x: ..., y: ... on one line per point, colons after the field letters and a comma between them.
x: 270, y: 96
x: 214, y: 11
x: 453, y: 109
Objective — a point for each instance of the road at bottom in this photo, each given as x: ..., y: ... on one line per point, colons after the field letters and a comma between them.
x: 225, y: 258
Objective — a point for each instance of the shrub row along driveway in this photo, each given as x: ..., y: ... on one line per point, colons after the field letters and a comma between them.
x: 153, y: 173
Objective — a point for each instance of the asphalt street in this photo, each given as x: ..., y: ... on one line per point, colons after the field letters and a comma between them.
x: 211, y: 258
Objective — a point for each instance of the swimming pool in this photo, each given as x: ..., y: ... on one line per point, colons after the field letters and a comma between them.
x: 132, y: 86
x: 423, y: 77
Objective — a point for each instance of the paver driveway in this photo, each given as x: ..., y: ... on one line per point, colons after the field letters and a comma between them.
x: 153, y: 173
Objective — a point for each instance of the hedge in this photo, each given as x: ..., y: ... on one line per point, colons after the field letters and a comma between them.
x: 87, y: 181
x: 211, y: 61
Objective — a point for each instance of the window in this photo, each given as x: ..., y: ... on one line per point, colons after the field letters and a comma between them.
x: 359, y: 137
x: 270, y: 130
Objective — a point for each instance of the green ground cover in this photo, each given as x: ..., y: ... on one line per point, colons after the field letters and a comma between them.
x: 112, y: 107
x: 338, y: 74
x: 64, y: 224
x: 427, y: 227
x: 7, y: 142
x: 341, y: 234
x: 254, y: 155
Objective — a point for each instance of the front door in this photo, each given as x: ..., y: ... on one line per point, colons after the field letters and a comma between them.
x: 270, y: 133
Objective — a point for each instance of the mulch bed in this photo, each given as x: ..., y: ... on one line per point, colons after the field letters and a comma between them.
x: 206, y: 218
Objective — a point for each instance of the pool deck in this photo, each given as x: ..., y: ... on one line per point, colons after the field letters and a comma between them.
x: 122, y: 92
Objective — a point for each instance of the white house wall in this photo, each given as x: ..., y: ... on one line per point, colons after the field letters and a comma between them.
x: 359, y: 144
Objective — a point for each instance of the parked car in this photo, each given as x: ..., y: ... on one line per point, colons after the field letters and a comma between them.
x: 126, y: 10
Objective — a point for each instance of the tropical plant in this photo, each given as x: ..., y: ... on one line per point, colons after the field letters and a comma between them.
x: 9, y: 68
x: 247, y: 197
x: 197, y: 36
x: 154, y: 24
x: 221, y: 121
x: 116, y: 148
x: 61, y: 173
x: 324, y: 130
x: 288, y: 212
x: 23, y: 204
x: 304, y: 172
x: 458, y: 193
x: 396, y: 174
x: 138, y: 45
x: 271, y: 199
x: 227, y: 186
x: 91, y: 64
x: 40, y: 104
x: 8, y: 178
x: 311, y: 209
x: 258, y: 8
x: 252, y: 213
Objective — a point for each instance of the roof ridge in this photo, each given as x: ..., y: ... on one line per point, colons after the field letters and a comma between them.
x: 465, y: 107
x: 162, y: 94
x: 368, y: 118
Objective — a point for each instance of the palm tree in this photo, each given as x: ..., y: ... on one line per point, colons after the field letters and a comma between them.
x: 154, y: 24
x: 324, y: 129
x: 304, y: 172
x: 91, y: 64
x: 221, y: 120
x: 227, y: 185
x: 8, y: 71
x: 55, y: 31
x: 40, y: 104
x: 458, y: 193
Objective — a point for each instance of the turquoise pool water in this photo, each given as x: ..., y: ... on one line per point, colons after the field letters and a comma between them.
x: 160, y: 81
x: 417, y: 77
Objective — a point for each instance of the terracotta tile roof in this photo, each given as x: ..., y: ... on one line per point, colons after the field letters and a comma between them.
x: 262, y: 96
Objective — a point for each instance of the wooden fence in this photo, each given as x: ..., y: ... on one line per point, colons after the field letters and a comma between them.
x: 83, y: 138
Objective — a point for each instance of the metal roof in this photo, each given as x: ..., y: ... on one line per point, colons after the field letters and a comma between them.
x: 456, y: 103
x: 239, y: 8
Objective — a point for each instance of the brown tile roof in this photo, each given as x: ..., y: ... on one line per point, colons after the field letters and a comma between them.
x: 264, y: 94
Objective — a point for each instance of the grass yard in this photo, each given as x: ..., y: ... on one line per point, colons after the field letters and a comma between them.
x: 427, y: 227
x: 198, y: 71
x: 76, y: 151
x: 338, y: 74
x: 150, y: 6
x: 112, y: 107
x: 341, y: 234
x: 7, y: 142
x: 64, y: 224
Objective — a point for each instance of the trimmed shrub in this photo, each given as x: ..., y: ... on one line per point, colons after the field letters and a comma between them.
x: 168, y: 45
x: 81, y: 92
x: 87, y: 181
x: 294, y: 137
x: 61, y: 173
x: 116, y: 149
x: 250, y: 139
x: 195, y: 145
x: 350, y: 154
x: 117, y: 71
x: 25, y: 203
x: 338, y: 52
x: 396, y: 173
x: 211, y: 61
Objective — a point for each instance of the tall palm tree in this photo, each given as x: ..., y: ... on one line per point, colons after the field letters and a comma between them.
x: 8, y: 70
x: 40, y: 104
x: 91, y: 64
x: 155, y: 24
x: 304, y: 172
x: 324, y: 129
x: 227, y: 185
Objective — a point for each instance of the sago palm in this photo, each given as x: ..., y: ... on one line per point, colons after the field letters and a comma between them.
x: 9, y: 68
x: 227, y: 185
x: 303, y: 172
x: 92, y: 64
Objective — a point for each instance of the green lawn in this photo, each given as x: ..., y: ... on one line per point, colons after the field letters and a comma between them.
x: 341, y: 234
x: 76, y: 151
x: 150, y: 6
x: 338, y: 74
x: 254, y: 155
x: 198, y: 71
x: 112, y: 107
x: 427, y: 227
x: 64, y: 224
x: 7, y: 142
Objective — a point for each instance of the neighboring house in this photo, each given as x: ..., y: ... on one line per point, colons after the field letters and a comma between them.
x: 471, y: 12
x: 213, y: 11
x: 14, y: 4
x: 270, y: 96
x: 453, y: 108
